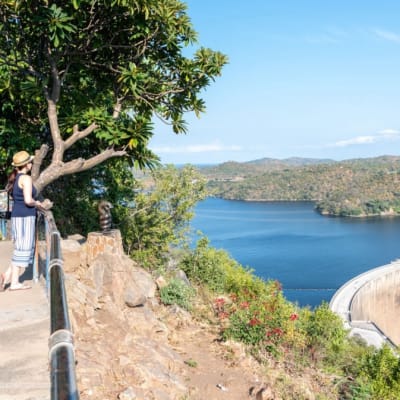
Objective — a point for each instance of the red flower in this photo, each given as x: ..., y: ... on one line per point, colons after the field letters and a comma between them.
x: 254, y: 322
x: 274, y: 332
x: 244, y: 305
x: 293, y: 317
x: 223, y: 315
x: 278, y: 331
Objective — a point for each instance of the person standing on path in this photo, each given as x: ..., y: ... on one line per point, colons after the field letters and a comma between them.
x: 23, y: 217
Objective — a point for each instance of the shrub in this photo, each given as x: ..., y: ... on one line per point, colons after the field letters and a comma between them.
x: 207, y: 265
x: 264, y: 320
x: 177, y: 292
x: 380, y: 371
x: 326, y: 336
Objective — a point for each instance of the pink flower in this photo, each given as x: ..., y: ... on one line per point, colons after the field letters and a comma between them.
x: 223, y: 315
x: 219, y: 302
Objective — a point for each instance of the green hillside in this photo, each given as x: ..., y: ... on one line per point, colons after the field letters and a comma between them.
x: 357, y: 187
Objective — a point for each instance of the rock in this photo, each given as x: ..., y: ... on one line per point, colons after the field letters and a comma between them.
x: 262, y: 392
x: 77, y: 237
x: 127, y: 394
x: 133, y: 298
x: 161, y: 282
x: 144, y: 280
x: 182, y: 276
x: 120, y: 342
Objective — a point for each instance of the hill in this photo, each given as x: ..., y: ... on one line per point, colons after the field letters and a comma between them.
x: 355, y: 187
x: 291, y: 161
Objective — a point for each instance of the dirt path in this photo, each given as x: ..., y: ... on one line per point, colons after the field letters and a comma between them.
x: 215, y: 370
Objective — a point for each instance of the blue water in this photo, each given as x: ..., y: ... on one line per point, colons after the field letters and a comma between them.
x: 311, y: 255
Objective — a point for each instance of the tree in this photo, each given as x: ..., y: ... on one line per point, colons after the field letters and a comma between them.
x: 159, y: 214
x: 81, y: 81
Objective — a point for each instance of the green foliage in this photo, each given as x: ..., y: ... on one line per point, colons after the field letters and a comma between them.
x: 380, y: 372
x: 177, y: 292
x: 159, y: 212
x: 356, y: 188
x: 326, y: 336
x: 206, y: 265
x: 192, y: 363
x: 260, y: 320
x: 258, y: 313
x: 76, y: 197
x: 111, y: 65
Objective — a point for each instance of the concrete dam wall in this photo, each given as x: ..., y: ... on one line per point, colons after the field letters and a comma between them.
x: 378, y: 300
x: 369, y: 304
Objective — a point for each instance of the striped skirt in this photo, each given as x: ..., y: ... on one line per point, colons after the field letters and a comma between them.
x: 23, y: 235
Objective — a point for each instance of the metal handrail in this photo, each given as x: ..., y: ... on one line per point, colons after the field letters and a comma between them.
x: 61, y: 347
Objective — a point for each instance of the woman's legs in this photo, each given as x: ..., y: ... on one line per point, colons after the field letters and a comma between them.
x: 23, y: 232
x: 15, y: 274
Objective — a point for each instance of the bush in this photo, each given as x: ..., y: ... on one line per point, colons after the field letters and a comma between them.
x: 177, y: 292
x: 265, y: 320
x: 326, y: 336
x: 380, y: 371
x: 206, y: 265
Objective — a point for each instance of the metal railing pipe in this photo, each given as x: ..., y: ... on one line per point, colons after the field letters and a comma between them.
x: 59, y: 318
x: 63, y: 383
x: 61, y: 349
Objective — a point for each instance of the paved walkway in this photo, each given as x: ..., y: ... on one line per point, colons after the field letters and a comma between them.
x: 24, y: 334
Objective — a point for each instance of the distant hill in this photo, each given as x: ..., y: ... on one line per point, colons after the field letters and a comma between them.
x: 354, y: 187
x: 292, y: 161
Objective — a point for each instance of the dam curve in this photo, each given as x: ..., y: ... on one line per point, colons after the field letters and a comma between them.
x: 369, y: 305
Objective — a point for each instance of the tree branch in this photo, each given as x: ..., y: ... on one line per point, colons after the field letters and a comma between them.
x: 78, y: 135
x: 92, y: 162
x: 57, y: 169
x: 37, y: 162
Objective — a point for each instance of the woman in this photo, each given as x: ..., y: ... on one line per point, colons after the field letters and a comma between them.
x: 23, y: 216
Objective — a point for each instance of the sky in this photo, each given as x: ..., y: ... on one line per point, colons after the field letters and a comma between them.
x: 306, y: 78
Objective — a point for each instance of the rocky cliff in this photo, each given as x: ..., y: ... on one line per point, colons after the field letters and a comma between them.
x: 129, y: 346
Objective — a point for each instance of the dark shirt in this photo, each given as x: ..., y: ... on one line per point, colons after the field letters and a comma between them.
x: 20, y: 209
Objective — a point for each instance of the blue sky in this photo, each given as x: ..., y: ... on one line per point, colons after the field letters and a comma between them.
x: 309, y: 78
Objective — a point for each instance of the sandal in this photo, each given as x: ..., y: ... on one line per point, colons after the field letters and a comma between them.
x: 20, y: 286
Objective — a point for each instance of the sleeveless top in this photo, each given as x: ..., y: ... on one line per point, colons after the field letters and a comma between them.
x: 20, y: 209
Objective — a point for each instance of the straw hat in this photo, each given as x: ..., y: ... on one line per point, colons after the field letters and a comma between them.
x: 21, y: 158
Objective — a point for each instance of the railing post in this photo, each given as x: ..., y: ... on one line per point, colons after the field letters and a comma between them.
x: 35, y: 267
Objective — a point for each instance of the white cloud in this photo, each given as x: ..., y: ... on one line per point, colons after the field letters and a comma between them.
x: 200, y: 148
x: 381, y: 136
x: 390, y: 133
x: 390, y: 36
x: 356, y: 140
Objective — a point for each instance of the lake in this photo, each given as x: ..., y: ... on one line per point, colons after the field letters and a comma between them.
x: 310, y: 254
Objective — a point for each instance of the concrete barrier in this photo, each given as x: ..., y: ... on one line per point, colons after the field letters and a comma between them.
x: 369, y: 304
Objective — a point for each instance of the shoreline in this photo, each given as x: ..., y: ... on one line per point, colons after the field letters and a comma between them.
x: 384, y: 214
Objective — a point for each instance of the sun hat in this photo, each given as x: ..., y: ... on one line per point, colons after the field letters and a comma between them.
x: 21, y: 158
